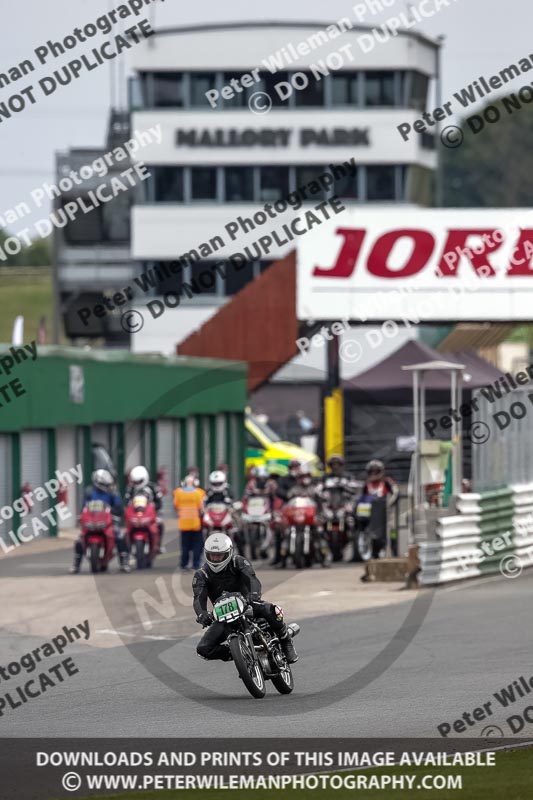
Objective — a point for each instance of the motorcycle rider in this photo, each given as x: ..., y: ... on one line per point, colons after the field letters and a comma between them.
x: 219, y: 492
x: 378, y: 485
x: 139, y: 483
x: 103, y: 489
x: 225, y: 572
x: 338, y: 480
x: 286, y: 483
x: 305, y: 487
x: 261, y: 485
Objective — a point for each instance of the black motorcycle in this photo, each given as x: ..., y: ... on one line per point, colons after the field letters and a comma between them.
x: 371, y: 527
x: 254, y: 648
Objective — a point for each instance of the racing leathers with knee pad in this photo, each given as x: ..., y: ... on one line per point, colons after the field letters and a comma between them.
x: 238, y: 576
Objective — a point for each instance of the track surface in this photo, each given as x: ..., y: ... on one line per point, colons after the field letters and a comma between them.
x: 474, y: 640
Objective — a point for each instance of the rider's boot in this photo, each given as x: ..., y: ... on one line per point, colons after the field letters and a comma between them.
x: 288, y: 648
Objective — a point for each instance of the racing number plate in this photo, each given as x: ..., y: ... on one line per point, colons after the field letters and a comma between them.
x: 226, y: 609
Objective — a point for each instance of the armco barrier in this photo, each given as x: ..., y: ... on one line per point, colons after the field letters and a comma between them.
x: 490, y: 527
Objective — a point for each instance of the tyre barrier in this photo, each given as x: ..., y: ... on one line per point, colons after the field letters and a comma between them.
x: 493, y: 533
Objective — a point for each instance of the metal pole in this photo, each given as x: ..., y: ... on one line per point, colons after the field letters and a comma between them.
x: 458, y: 403
x: 416, y: 473
x: 55, y: 273
x: 439, y: 183
x: 453, y: 400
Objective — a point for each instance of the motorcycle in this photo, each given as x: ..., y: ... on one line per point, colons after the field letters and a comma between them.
x: 142, y: 533
x: 337, y: 523
x: 256, y: 516
x: 299, y: 522
x: 97, y: 534
x: 371, y: 526
x: 217, y: 519
x: 255, y: 649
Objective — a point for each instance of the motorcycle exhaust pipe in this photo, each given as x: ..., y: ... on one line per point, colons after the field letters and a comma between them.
x: 293, y: 629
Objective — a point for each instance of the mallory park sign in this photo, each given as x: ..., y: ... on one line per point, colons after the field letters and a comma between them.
x: 272, y: 137
x: 427, y: 265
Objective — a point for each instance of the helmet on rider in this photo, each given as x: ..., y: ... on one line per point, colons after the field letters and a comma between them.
x: 102, y: 479
x: 261, y: 476
x: 305, y: 477
x: 139, y: 477
x: 294, y: 467
x: 218, y: 551
x: 375, y: 470
x: 336, y: 464
x: 217, y: 481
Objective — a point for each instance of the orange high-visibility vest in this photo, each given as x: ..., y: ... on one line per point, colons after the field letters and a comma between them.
x: 188, y: 503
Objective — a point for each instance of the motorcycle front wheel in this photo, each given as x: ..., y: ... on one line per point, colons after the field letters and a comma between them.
x: 139, y: 553
x: 248, y: 667
x: 364, y: 546
x: 95, y: 557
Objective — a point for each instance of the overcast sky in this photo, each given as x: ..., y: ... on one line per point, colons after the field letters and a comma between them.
x: 481, y: 38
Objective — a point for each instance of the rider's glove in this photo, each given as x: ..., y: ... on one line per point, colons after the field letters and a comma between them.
x: 204, y: 619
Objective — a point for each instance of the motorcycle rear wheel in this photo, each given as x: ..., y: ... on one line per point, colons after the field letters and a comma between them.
x: 248, y: 667
x: 284, y: 682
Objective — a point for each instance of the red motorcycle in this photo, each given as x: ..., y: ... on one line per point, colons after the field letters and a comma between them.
x: 142, y: 531
x: 217, y: 519
x: 97, y: 534
x: 299, y: 522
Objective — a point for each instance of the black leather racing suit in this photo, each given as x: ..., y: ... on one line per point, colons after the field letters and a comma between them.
x: 237, y: 576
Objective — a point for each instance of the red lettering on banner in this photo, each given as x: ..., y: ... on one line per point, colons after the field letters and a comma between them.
x: 456, y: 241
x: 424, y: 242
x: 522, y: 253
x: 348, y: 255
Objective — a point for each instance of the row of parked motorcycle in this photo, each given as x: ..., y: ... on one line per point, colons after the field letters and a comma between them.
x: 296, y: 520
x: 302, y: 520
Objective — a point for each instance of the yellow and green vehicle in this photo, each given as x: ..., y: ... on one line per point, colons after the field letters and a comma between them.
x: 264, y: 446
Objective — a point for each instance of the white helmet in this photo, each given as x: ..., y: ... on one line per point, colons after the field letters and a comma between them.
x: 217, y: 481
x: 102, y: 479
x: 218, y: 551
x: 139, y: 477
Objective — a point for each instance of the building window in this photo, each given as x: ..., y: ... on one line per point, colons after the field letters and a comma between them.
x: 203, y: 277
x: 304, y: 176
x: 419, y: 91
x: 379, y: 89
x: 201, y: 82
x: 274, y: 183
x: 344, y: 89
x: 168, y: 183
x: 312, y: 95
x: 237, y: 279
x: 203, y: 183
x: 269, y: 83
x: 239, y: 184
x: 240, y: 98
x: 380, y: 183
x: 346, y: 187
x: 168, y: 89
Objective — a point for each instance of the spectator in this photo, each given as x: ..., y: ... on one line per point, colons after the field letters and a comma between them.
x: 188, y: 501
